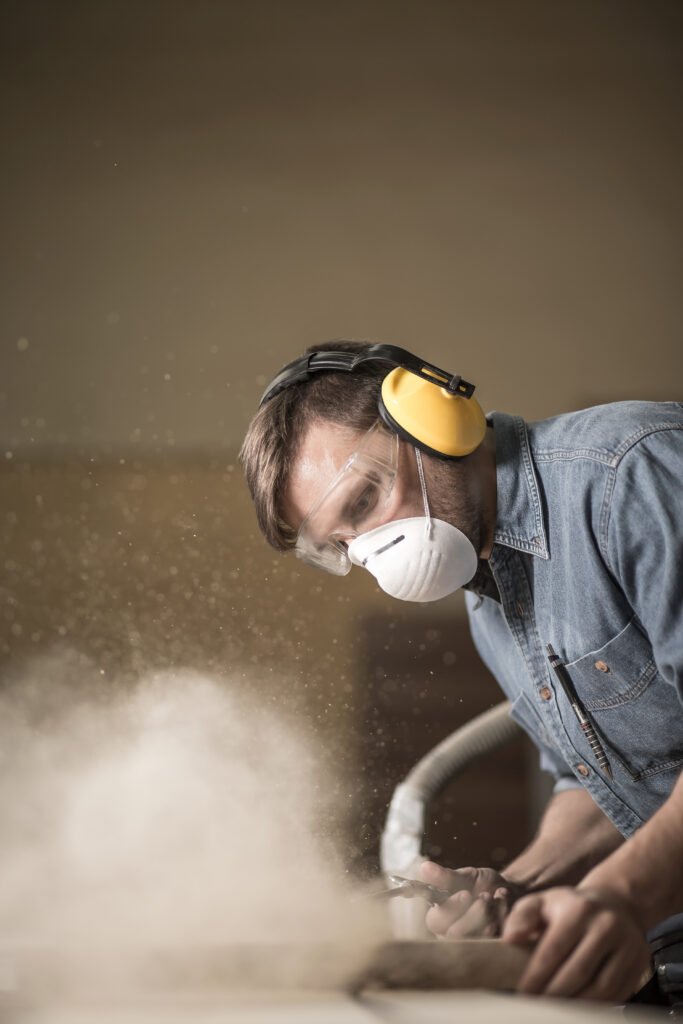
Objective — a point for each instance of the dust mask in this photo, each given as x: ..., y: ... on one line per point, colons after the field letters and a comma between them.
x: 418, y: 559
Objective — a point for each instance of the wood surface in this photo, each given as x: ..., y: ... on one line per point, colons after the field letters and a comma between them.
x: 465, y: 964
x: 460, y: 964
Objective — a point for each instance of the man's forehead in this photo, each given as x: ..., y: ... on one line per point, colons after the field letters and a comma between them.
x: 322, y: 453
x: 324, y: 450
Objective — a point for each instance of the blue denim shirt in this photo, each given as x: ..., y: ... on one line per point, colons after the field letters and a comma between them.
x: 588, y: 556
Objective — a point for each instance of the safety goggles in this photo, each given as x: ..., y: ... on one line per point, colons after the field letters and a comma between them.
x: 354, y: 503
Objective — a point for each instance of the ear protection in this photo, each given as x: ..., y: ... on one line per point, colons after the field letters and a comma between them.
x: 426, y: 406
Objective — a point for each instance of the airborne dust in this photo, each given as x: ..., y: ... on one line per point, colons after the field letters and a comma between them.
x: 176, y: 812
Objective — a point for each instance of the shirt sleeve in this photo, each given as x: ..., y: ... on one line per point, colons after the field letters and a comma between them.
x: 565, y: 782
x: 644, y: 542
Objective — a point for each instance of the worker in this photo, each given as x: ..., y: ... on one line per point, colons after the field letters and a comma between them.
x: 567, y: 536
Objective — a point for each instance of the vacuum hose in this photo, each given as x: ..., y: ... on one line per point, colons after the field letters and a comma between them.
x: 401, y: 845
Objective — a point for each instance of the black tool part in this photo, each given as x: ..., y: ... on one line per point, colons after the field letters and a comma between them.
x: 666, y: 986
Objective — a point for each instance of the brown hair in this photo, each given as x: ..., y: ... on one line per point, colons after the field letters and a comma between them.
x: 276, y: 431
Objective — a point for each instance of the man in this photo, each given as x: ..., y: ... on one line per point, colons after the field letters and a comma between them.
x: 568, y: 537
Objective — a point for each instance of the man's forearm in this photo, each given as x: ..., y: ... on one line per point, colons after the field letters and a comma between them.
x: 646, y: 871
x: 573, y: 837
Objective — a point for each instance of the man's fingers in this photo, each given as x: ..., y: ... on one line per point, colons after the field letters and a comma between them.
x: 502, y: 898
x: 587, y: 946
x: 479, y: 921
x: 554, y: 946
x: 525, y: 921
x: 601, y: 967
x: 465, y: 916
x: 434, y: 874
x: 581, y: 968
x: 468, y: 885
x: 501, y: 906
x: 440, y: 918
x: 445, y: 878
x: 619, y: 977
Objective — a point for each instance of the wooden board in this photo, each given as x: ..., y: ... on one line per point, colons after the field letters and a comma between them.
x: 461, y: 964
x: 464, y: 964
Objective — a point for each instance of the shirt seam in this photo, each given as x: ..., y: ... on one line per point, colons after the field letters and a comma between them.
x: 657, y: 769
x: 606, y: 510
x: 609, y: 458
x: 596, y: 650
x: 527, y: 458
x: 569, y: 454
x: 538, y: 544
x: 635, y: 690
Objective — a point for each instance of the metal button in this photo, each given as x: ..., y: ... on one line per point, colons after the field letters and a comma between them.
x: 602, y: 666
x: 545, y: 693
x: 583, y: 770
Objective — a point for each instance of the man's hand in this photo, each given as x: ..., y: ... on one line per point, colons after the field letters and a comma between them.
x: 589, y: 944
x: 481, y: 899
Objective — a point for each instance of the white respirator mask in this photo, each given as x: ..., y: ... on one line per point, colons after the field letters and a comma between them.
x: 418, y: 559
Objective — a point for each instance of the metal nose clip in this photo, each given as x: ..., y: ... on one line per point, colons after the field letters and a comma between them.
x: 385, y: 547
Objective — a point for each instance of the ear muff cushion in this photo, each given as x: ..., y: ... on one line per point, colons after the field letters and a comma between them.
x: 447, y: 424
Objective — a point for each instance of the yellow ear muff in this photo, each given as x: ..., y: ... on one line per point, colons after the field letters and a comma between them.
x: 430, y: 416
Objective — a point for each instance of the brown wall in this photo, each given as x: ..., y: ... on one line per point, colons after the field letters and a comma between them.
x: 195, y: 191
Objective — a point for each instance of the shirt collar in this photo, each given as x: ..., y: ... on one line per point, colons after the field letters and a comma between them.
x: 519, y: 512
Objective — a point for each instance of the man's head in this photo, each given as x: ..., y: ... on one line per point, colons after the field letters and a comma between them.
x: 303, y: 436
x: 343, y: 404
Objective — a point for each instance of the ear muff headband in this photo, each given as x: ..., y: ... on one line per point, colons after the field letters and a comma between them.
x: 425, y: 405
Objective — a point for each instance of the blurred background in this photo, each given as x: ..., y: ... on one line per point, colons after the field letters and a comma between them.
x: 193, y: 193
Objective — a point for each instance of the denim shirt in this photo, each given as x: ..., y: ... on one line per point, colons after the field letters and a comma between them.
x: 588, y: 557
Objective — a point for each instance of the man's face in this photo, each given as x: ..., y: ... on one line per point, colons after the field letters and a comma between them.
x: 326, y: 447
x: 462, y: 493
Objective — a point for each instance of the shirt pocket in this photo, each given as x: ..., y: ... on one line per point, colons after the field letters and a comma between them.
x: 637, y: 713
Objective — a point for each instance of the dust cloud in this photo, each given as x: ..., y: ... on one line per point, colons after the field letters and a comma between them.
x: 173, y: 813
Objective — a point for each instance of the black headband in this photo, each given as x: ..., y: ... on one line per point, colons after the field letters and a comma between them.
x: 302, y: 369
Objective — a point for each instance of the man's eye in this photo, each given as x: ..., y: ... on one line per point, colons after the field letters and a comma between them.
x: 364, y: 503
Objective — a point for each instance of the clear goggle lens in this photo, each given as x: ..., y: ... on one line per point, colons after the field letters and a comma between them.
x: 354, y: 503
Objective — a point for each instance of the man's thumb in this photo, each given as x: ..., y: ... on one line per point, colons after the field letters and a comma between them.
x: 446, y: 878
x: 434, y: 874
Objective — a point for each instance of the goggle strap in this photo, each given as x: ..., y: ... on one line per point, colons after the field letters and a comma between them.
x: 423, y: 486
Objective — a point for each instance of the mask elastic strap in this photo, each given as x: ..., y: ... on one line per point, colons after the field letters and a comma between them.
x: 423, y: 485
